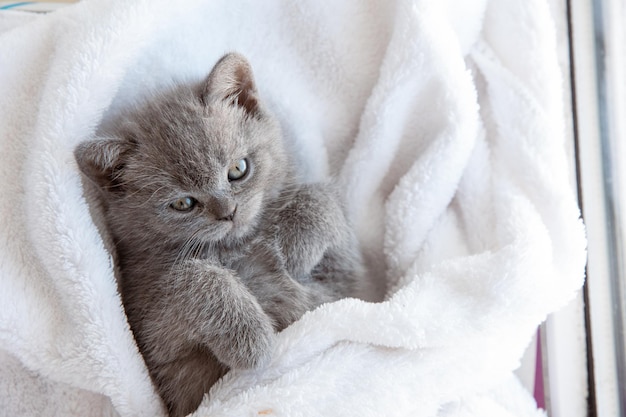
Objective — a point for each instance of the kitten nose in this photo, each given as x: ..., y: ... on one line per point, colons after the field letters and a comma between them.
x: 222, y: 206
x: 226, y: 212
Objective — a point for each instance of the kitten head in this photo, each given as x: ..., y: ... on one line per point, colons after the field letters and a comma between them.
x: 197, y: 163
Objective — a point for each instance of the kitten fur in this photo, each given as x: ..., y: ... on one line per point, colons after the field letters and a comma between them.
x: 206, y: 289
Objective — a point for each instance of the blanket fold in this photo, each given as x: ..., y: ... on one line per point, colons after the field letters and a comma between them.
x: 442, y: 124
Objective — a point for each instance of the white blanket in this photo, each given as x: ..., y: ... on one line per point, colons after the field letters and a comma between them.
x: 441, y: 121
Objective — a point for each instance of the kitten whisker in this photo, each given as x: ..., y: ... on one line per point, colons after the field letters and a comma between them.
x: 187, y: 249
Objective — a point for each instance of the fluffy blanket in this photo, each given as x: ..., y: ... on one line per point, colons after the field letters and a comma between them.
x: 441, y: 121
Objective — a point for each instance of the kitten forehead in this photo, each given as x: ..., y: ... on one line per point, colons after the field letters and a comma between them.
x: 191, y: 145
x: 179, y: 126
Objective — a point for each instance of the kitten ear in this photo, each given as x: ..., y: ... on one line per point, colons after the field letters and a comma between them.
x: 101, y: 160
x: 231, y: 80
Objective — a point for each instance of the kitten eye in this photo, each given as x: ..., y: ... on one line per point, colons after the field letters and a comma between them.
x: 184, y: 204
x: 238, y: 170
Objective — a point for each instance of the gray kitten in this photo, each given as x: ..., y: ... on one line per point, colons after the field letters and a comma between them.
x: 217, y: 245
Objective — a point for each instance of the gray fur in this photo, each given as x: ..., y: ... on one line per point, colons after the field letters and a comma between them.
x: 206, y: 290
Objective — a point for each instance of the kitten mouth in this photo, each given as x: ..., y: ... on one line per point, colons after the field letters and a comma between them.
x: 240, y: 226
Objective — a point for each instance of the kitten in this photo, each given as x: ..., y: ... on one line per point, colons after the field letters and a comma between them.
x: 217, y: 245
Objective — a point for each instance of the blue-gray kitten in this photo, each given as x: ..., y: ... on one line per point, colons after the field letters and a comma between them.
x: 217, y: 245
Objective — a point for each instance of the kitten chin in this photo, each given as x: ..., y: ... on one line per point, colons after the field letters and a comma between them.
x: 246, y: 220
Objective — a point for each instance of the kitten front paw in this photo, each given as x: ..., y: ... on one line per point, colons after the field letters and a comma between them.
x: 310, y: 223
x: 250, y: 345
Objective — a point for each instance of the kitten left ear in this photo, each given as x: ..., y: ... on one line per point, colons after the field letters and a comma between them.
x: 101, y: 160
x: 231, y: 80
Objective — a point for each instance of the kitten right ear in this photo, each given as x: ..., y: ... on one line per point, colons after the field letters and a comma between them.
x: 231, y: 80
x: 101, y: 160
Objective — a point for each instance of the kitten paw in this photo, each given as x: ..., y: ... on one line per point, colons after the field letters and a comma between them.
x: 250, y: 345
x: 307, y: 226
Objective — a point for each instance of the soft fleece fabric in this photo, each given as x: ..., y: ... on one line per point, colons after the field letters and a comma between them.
x: 441, y: 121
